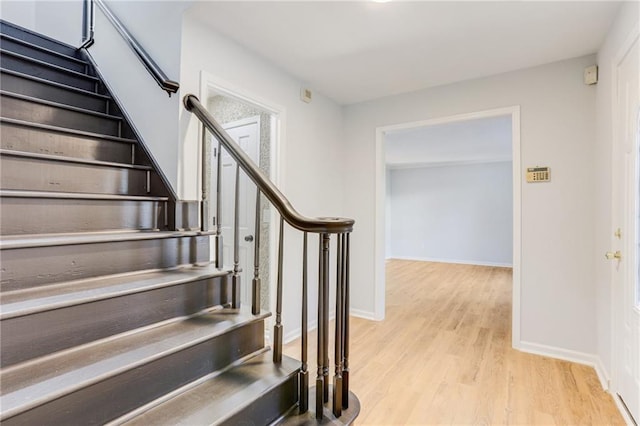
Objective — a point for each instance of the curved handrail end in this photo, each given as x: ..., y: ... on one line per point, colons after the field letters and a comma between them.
x: 186, y: 99
x: 329, y: 225
x: 171, y: 86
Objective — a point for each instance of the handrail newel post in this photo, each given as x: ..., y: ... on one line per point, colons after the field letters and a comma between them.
x: 236, y: 278
x: 277, y: 328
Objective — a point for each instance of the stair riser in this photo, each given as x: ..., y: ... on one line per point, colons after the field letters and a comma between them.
x: 36, y: 39
x: 47, y: 72
x: 43, y: 55
x: 42, y: 175
x: 37, y: 89
x: 115, y: 396
x: 41, y: 141
x: 22, y: 109
x: 53, y: 215
x: 37, y: 266
x: 269, y: 407
x: 43, y: 333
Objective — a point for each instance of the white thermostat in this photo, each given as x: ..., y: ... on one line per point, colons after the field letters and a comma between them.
x: 538, y: 174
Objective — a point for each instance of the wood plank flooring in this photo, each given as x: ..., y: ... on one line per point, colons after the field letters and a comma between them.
x: 443, y: 356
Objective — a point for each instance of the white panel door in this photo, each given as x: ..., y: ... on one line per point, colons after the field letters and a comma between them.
x: 246, y: 133
x: 626, y: 211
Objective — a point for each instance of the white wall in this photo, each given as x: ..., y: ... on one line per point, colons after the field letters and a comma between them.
x: 557, y: 130
x: 458, y: 214
x: 22, y: 13
x: 309, y: 163
x: 61, y: 20
x: 626, y: 20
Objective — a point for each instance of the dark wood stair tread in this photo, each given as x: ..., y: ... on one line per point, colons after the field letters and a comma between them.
x: 41, y: 299
x: 43, y: 49
x: 216, y: 400
x: 25, y: 58
x: 33, y: 383
x: 60, y: 158
x: 66, y: 130
x: 59, y: 105
x: 48, y: 240
x: 76, y: 196
x: 55, y: 83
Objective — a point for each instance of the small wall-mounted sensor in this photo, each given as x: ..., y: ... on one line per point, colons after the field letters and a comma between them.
x: 591, y: 75
x: 306, y: 95
x: 538, y: 174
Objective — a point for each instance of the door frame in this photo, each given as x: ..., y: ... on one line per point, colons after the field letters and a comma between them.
x: 211, y: 84
x: 630, y: 248
x: 380, y: 194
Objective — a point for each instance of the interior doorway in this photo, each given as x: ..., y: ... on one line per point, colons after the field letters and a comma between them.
x: 449, y: 193
x: 513, y: 115
x: 255, y: 124
x: 250, y: 127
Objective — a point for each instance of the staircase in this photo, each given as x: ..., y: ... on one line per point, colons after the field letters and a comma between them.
x: 111, y: 311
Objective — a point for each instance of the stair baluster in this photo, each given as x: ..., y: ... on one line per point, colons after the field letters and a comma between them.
x: 205, y: 168
x: 304, y: 373
x: 256, y: 283
x: 218, y: 236
x: 337, y: 379
x: 325, y: 315
x: 345, y: 326
x: 277, y: 328
x: 320, y: 383
x: 236, y: 278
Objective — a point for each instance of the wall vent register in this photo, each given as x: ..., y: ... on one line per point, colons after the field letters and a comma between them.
x: 538, y: 174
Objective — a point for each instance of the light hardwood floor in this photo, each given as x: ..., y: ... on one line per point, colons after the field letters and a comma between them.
x: 443, y: 356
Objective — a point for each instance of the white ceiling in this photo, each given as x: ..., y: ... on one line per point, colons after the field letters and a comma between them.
x: 357, y: 51
x: 471, y: 141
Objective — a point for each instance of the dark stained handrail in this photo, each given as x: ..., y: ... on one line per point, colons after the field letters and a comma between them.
x: 264, y: 184
x: 159, y: 76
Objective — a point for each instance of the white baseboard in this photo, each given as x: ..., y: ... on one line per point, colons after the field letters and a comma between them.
x: 558, y: 353
x: 580, y: 358
x: 312, y: 325
x: 603, y: 374
x: 359, y: 313
x: 568, y: 355
x: 457, y: 261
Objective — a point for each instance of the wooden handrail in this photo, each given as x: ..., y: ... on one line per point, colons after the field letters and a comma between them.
x: 333, y: 225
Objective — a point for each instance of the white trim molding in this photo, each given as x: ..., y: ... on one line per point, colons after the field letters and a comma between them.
x: 454, y: 261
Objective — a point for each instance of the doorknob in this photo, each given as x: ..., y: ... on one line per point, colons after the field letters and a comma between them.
x: 248, y: 238
x: 613, y: 255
